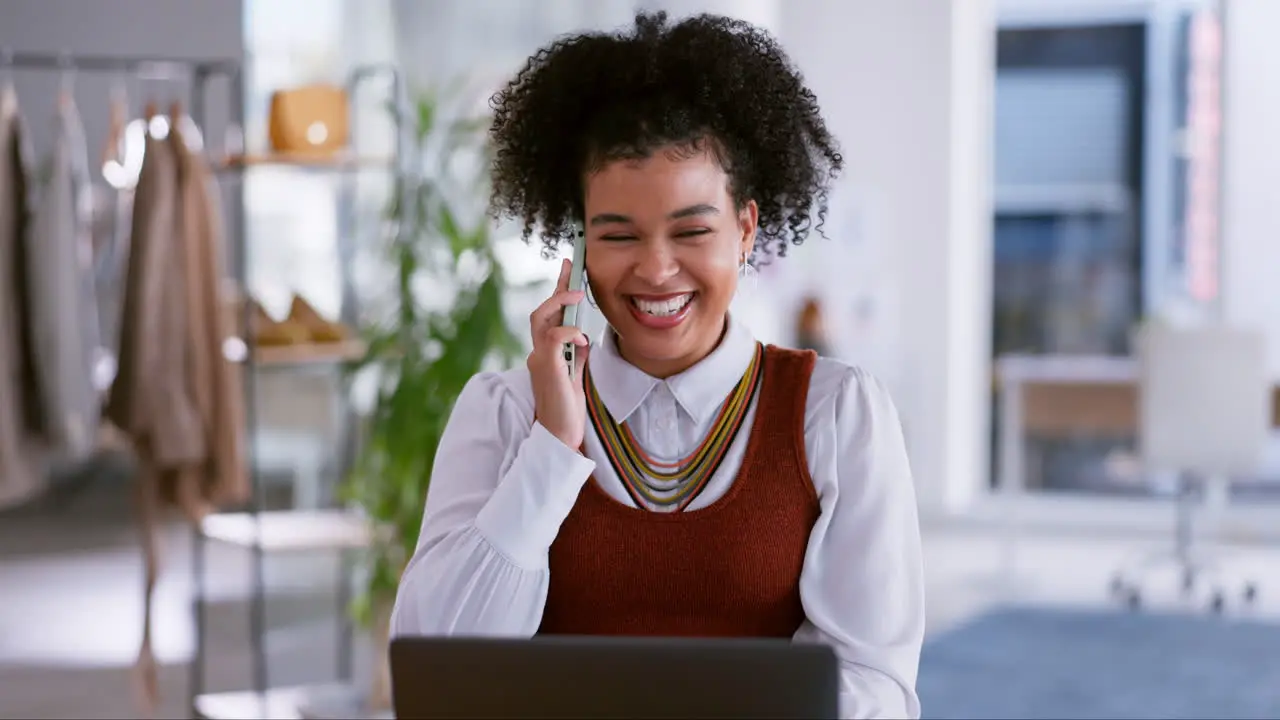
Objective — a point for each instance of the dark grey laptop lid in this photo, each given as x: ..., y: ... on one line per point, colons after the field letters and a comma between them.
x: 612, y: 677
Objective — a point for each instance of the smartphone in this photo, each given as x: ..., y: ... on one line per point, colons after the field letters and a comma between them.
x: 577, y: 277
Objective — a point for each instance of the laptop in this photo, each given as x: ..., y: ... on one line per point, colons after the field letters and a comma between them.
x: 612, y: 677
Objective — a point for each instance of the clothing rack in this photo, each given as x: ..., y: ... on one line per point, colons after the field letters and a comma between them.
x: 254, y: 528
x: 114, y: 63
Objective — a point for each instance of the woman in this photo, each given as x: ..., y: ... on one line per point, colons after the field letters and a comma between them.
x: 684, y: 480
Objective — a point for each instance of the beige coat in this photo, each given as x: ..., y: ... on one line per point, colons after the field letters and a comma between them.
x: 148, y: 391
x: 176, y: 395
x: 150, y: 399
x: 216, y: 382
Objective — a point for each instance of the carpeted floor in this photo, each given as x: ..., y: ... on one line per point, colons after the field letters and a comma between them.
x: 1050, y: 663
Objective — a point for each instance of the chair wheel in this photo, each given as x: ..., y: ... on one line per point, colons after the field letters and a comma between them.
x: 1250, y: 593
x: 1117, y: 586
x: 1219, y: 602
x: 1188, y: 582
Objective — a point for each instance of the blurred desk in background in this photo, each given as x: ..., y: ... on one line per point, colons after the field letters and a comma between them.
x: 1048, y: 396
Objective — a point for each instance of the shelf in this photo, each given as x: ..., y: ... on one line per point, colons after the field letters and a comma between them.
x: 303, y: 161
x: 290, y: 530
x: 309, y: 353
x: 280, y: 704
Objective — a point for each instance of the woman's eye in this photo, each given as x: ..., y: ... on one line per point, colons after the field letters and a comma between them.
x: 619, y: 237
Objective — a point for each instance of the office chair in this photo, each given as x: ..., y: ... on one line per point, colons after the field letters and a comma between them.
x: 1204, y: 418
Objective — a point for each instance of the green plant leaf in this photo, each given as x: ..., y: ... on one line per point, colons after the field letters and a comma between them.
x: 447, y: 226
x: 426, y: 116
x: 423, y: 356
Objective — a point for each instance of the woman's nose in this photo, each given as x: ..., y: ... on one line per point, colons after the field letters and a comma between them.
x: 657, y: 264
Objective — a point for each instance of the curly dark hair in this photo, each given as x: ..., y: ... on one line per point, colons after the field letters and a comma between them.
x: 705, y: 83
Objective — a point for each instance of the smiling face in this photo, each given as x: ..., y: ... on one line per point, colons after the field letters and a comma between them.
x: 664, y: 245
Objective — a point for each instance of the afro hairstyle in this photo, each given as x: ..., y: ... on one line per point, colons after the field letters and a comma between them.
x: 703, y: 84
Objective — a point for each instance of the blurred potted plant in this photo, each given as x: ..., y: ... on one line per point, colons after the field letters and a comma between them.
x: 422, y: 350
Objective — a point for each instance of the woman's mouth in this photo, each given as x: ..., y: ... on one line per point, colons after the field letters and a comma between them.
x: 661, y: 312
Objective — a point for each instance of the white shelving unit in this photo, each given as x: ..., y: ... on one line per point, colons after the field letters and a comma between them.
x: 286, y: 703
x: 255, y: 529
x: 274, y: 704
x: 281, y: 531
x: 309, y: 529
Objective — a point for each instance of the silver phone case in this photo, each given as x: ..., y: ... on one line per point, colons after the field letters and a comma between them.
x: 577, y: 275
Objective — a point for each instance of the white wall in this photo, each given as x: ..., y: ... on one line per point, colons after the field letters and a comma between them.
x: 762, y: 13
x: 208, y: 29
x: 907, y: 88
x: 1250, y: 259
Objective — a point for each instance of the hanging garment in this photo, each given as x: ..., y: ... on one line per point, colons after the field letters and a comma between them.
x: 110, y: 229
x: 149, y: 399
x: 176, y: 394
x: 113, y: 211
x: 216, y: 382
x: 22, y: 473
x: 63, y: 308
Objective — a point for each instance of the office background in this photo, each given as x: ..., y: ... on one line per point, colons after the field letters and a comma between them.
x: 1029, y: 182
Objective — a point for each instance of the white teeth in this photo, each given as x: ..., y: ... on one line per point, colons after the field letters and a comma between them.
x: 663, y: 308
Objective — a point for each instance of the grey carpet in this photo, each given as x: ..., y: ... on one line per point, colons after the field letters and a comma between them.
x: 1049, y: 663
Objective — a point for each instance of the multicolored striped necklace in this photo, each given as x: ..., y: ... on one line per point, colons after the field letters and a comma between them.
x: 672, y: 484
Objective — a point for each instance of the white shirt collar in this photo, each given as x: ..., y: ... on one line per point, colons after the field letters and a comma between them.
x: 700, y: 390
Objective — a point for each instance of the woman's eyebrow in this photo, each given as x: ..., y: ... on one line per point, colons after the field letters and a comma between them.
x: 691, y: 211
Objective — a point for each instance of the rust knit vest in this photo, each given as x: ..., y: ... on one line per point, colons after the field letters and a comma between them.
x: 729, y: 569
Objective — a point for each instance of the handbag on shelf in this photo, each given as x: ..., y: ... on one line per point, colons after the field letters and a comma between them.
x: 313, y: 120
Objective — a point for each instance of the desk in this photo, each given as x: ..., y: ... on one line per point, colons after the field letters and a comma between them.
x: 1059, y: 397
x: 1056, y: 396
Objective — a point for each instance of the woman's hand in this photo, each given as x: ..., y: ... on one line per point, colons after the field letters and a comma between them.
x: 559, y: 401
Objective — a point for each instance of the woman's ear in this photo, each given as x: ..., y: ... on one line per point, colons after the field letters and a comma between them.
x: 748, y: 221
